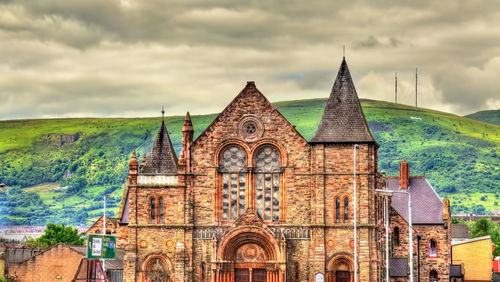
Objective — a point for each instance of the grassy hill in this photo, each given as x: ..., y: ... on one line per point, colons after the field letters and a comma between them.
x: 60, y: 169
x: 492, y: 116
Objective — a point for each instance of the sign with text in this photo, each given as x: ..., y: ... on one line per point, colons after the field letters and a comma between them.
x: 320, y: 277
x: 101, y: 246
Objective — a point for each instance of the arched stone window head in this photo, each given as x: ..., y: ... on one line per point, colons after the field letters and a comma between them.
x: 157, y: 271
x: 233, y: 170
x: 268, y: 170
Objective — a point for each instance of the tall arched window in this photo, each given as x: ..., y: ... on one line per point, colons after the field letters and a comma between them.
x: 432, y: 248
x: 232, y: 166
x: 267, y: 169
x: 153, y: 209
x: 160, y: 209
x: 346, y: 209
x: 433, y: 276
x: 395, y: 236
x: 337, y: 209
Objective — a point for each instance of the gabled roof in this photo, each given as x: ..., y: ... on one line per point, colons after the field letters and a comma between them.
x: 162, y: 158
x: 427, y: 207
x: 343, y: 120
x: 249, y: 93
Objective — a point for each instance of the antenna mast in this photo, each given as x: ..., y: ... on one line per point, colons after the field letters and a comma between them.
x: 416, y: 88
x: 396, y: 88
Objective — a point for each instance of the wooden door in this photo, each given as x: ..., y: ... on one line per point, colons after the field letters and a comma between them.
x: 259, y: 275
x: 342, y: 276
x: 241, y: 275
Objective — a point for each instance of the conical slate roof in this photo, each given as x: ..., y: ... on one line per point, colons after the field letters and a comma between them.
x: 162, y: 158
x: 343, y: 120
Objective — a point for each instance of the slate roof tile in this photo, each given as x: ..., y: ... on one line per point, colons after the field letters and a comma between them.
x: 343, y: 120
x: 162, y: 158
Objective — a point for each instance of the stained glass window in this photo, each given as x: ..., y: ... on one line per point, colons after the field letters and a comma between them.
x: 153, y: 209
x: 267, y: 168
x: 346, y: 209
x: 337, y: 209
x: 160, y: 209
x: 232, y: 166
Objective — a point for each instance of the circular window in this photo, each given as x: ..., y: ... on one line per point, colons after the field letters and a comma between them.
x: 250, y: 128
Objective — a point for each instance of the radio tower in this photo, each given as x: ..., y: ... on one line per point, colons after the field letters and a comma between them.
x: 396, y: 88
x: 416, y: 88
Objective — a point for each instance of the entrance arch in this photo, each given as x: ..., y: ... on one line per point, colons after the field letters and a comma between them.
x: 249, y: 254
x: 340, y: 268
x: 156, y: 267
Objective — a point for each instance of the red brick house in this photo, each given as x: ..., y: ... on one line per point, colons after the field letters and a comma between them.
x: 251, y: 200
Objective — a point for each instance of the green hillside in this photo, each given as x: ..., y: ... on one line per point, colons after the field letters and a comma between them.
x: 492, y: 116
x: 60, y: 169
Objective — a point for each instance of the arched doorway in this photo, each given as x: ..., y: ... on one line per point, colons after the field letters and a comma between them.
x: 157, y: 268
x: 340, y: 268
x: 249, y: 254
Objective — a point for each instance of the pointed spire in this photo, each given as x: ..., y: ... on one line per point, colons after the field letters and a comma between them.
x: 162, y: 158
x: 188, y: 125
x: 343, y: 119
x: 133, y: 159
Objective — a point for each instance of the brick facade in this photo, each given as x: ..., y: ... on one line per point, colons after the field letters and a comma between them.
x: 59, y: 263
x: 309, y: 235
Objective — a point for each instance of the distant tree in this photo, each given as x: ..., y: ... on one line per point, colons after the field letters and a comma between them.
x: 58, y: 234
x: 485, y: 227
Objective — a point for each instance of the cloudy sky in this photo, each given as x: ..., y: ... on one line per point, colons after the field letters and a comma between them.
x: 111, y: 58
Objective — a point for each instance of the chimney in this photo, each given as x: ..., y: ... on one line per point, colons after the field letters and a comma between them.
x: 184, y: 162
x: 404, y: 174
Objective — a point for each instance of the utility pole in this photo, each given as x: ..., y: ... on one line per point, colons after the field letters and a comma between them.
x: 356, y: 146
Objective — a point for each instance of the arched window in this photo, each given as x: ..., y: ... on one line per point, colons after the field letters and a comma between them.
x: 203, y: 271
x: 346, y: 209
x: 160, y: 209
x: 267, y: 169
x: 232, y: 166
x: 337, y: 209
x: 395, y: 236
x: 433, y: 276
x: 433, y: 248
x: 153, y: 209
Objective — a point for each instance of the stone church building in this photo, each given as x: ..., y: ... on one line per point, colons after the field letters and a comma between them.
x: 251, y: 200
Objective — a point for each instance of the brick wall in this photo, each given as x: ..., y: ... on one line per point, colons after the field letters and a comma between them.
x: 59, y: 263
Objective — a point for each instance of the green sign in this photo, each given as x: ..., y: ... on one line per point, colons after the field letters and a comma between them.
x: 101, y: 246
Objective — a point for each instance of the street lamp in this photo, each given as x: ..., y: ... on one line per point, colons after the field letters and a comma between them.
x: 104, y: 230
x: 356, y: 146
x: 410, y: 227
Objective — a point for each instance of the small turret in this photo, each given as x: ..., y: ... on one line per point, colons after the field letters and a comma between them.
x: 187, y: 142
x: 132, y: 174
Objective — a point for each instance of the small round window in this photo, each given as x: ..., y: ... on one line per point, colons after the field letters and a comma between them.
x: 250, y: 128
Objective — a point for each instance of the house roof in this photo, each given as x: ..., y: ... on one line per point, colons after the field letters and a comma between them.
x: 427, y: 207
x: 116, y: 263
x: 398, y: 267
x: 460, y: 231
x: 487, y: 237
x: 162, y: 158
x: 343, y: 119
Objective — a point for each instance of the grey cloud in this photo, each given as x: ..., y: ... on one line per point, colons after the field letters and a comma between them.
x: 108, y: 55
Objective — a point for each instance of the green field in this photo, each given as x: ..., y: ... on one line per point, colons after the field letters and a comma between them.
x: 87, y: 158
